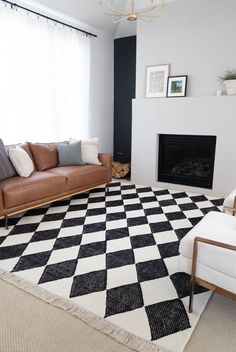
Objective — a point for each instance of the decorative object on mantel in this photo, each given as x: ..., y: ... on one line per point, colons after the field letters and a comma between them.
x: 156, y: 81
x: 177, y: 86
x: 133, y: 14
x: 229, y: 80
x: 120, y: 170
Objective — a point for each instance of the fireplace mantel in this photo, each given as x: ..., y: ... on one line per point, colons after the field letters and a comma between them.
x: 193, y: 116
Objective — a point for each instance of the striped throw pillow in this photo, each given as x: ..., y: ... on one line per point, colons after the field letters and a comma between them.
x: 6, y: 168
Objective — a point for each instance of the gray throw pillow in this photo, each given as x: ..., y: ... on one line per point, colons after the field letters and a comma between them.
x: 6, y: 168
x: 70, y: 154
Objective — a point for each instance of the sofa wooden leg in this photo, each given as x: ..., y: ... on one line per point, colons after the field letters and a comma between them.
x: 107, y: 189
x: 192, y: 285
x: 6, y: 222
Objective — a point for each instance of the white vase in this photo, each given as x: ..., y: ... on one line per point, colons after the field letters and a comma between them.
x: 230, y: 86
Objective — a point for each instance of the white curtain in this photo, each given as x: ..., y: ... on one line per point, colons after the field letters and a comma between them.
x: 44, y: 79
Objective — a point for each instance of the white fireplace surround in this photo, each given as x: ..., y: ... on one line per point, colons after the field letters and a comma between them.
x: 215, y: 116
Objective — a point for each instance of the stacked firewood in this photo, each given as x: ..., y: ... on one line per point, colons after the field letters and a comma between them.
x: 120, y: 170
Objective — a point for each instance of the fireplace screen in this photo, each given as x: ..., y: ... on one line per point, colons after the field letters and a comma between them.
x: 186, y: 160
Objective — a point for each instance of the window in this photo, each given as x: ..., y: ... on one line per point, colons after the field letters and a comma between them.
x: 44, y: 79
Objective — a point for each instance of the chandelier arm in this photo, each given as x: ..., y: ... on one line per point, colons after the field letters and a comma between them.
x: 115, y: 14
x: 122, y: 19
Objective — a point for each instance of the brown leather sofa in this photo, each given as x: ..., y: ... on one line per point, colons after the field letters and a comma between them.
x: 49, y: 182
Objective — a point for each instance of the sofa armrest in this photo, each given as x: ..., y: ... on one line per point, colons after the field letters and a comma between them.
x: 106, y: 160
x: 2, y: 210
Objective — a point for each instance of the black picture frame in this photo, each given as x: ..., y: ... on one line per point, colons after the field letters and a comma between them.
x: 180, y: 94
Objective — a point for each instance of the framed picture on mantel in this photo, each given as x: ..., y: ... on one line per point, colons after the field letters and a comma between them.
x: 177, y: 86
x: 156, y: 81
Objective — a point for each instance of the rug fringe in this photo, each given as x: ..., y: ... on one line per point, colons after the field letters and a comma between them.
x: 126, y: 338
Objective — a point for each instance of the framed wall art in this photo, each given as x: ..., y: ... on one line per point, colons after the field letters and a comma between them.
x: 156, y: 81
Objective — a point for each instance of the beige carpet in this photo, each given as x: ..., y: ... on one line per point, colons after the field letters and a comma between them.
x: 30, y: 325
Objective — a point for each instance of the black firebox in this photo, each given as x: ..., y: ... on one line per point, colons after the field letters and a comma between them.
x: 186, y: 160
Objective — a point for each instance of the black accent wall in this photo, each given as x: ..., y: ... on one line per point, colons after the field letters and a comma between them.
x: 124, y: 92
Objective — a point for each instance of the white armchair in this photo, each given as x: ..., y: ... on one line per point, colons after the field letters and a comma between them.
x: 208, y: 254
x: 229, y: 205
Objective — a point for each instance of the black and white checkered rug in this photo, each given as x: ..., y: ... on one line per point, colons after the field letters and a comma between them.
x: 114, y: 254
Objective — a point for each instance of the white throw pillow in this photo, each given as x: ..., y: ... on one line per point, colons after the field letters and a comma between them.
x: 21, y: 161
x: 89, y: 150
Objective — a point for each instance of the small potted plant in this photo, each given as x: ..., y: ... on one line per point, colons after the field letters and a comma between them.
x: 229, y: 80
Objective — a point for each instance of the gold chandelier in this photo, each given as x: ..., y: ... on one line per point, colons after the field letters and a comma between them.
x: 133, y: 14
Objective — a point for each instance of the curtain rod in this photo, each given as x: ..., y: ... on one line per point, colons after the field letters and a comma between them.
x: 48, y: 18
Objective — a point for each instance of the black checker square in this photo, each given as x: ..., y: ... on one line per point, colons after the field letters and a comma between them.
x: 188, y: 206
x: 142, y: 241
x: 179, y: 195
x: 88, y: 283
x: 181, y: 233
x: 92, y: 249
x: 96, y: 211
x: 200, y: 198
x: 114, y: 203
x: 90, y: 228
x: 2, y: 239
x: 123, y: 299
x: 144, y: 190
x: 45, y: 235
x: 162, y: 192
x: 73, y: 222
x: 148, y: 199
x: 217, y: 202
x: 32, y: 261
x: 120, y: 258
x: 37, y: 211
x: 207, y: 210
x: 19, y: 229
x: 53, y: 217
x: 153, y: 211
x: 140, y: 220
x: 58, y: 271
x: 178, y: 215
x: 96, y: 200
x: 129, y: 196
x: 167, y: 318
x: 170, y: 249
x: 167, y: 202
x: 67, y: 242
x: 117, y: 233
x: 125, y: 187
x: 161, y: 226
x: 132, y: 207
x: 150, y: 270
x: 9, y: 252
x: 195, y: 221
x: 77, y: 207
x: 116, y: 216
x: 181, y: 282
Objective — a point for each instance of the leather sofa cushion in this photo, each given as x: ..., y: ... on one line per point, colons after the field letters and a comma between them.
x: 39, y: 185
x: 45, y: 155
x: 78, y: 176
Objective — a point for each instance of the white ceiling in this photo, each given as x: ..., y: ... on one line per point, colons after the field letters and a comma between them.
x: 85, y: 11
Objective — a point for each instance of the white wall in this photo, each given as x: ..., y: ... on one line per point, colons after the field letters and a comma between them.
x: 197, y: 37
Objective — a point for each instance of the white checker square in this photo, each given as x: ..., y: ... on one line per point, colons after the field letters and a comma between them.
x: 164, y: 197
x: 156, y: 218
x: 75, y: 214
x: 40, y: 246
x: 60, y: 287
x: 130, y: 201
x: 172, y: 264
x: 112, y: 210
x: 146, y: 194
x: 56, y: 210
x: 135, y: 213
x: 118, y: 244
x: 179, y: 224
x: 9, y: 264
x: 93, y: 237
x: 171, y: 209
x: 112, y: 198
x: 205, y: 204
x: 139, y: 230
x: 165, y: 237
x: 128, y: 191
x: 96, y: 205
x: 183, y: 200
x: 195, y: 213
x: 110, y: 225
x: 150, y: 205
x: 60, y: 255
x: 17, y: 239
x: 32, y: 275
x: 79, y: 201
x: 95, y: 219
x: 87, y: 301
x: 96, y: 194
x: 121, y: 276
x: 158, y: 290
x: 4, y: 232
x: 70, y: 231
x: 49, y: 225
x: 34, y: 219
x: 90, y: 264
x: 146, y: 253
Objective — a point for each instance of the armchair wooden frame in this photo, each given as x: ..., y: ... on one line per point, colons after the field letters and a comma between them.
x: 231, y: 210
x: 196, y: 280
